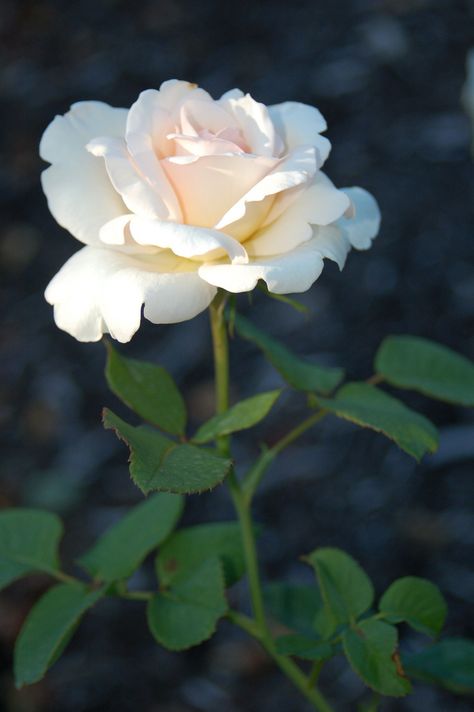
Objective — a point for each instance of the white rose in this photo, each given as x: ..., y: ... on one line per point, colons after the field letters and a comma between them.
x: 181, y: 194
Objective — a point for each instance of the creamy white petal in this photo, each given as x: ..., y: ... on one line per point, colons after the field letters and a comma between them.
x: 255, y: 123
x: 185, y: 240
x: 102, y: 291
x: 363, y: 227
x: 174, y: 91
x: 79, y: 192
x: 295, y: 169
x: 137, y: 192
x: 292, y: 272
x: 208, y: 186
x: 299, y: 124
x: 319, y: 204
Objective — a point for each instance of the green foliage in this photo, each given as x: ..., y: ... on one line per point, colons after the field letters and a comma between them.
x: 370, y: 407
x: 186, y: 614
x: 157, y: 463
x: 29, y: 540
x: 296, y: 606
x: 240, y: 416
x: 346, y: 590
x: 301, y: 646
x: 48, y: 628
x: 123, y: 547
x: 371, y: 649
x: 417, y: 602
x: 299, y: 373
x: 428, y: 367
x: 449, y: 663
x: 188, y: 548
x: 148, y: 390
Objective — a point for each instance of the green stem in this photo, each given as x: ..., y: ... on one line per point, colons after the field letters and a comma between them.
x: 286, y: 665
x: 258, y: 628
x: 256, y: 473
x: 221, y: 361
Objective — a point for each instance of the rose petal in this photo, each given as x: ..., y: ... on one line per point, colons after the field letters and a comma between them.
x: 102, y: 291
x: 255, y: 123
x: 363, y: 227
x: 208, y: 186
x: 300, y: 124
x: 79, y: 192
x: 292, y: 272
x: 185, y: 240
x: 319, y: 204
x: 295, y: 169
x: 137, y: 193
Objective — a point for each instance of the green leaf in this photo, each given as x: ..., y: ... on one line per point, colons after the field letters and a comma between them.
x: 240, y: 416
x: 417, y: 602
x: 187, y: 613
x: 29, y: 540
x: 157, y: 463
x: 371, y: 649
x: 123, y: 547
x: 299, y: 373
x: 346, y: 589
x: 148, y: 390
x: 301, y: 646
x: 428, y: 367
x: 284, y: 298
x: 296, y: 606
x: 48, y: 628
x: 188, y: 548
x: 449, y: 663
x: 370, y: 407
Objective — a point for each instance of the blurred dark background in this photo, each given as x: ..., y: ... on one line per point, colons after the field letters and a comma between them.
x: 388, y: 76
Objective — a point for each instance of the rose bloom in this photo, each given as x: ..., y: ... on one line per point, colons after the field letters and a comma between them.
x: 181, y: 194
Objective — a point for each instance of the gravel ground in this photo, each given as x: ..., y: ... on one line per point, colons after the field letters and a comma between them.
x: 387, y: 75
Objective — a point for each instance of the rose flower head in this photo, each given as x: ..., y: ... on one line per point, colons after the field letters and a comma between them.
x: 182, y: 194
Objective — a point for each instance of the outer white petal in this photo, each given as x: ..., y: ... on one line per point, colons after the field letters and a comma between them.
x: 363, y: 227
x: 102, y: 291
x: 300, y: 124
x: 137, y: 192
x: 185, y: 240
x: 319, y: 204
x: 292, y: 272
x: 255, y: 123
x: 79, y: 192
x: 148, y: 125
x: 174, y: 91
x: 295, y: 169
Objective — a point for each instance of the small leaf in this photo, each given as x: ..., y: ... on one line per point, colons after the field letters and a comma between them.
x: 124, y: 546
x: 148, y: 390
x: 296, y: 606
x: 299, y: 373
x: 371, y: 649
x: 346, y: 589
x: 157, y: 463
x: 187, y: 614
x: 29, y: 540
x: 240, y: 416
x: 301, y: 646
x: 370, y: 407
x: 449, y: 663
x: 188, y: 548
x: 48, y: 628
x: 416, y: 601
x: 428, y: 367
x: 284, y: 298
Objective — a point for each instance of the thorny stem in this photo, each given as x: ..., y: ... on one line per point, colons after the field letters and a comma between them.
x: 257, y: 627
x: 287, y: 666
